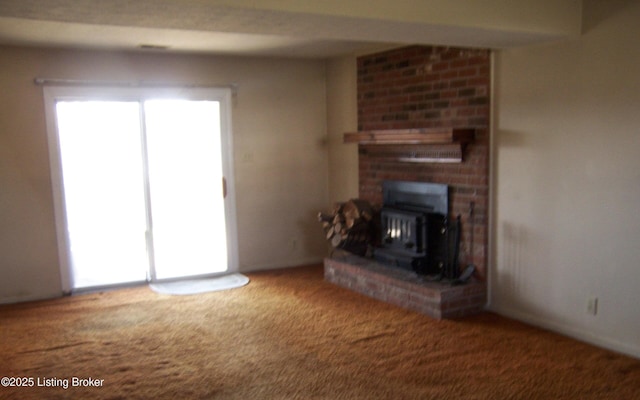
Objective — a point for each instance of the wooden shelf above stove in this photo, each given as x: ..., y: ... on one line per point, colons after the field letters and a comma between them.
x: 433, y: 145
x: 437, y: 136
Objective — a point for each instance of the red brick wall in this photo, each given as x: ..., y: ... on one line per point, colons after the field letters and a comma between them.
x: 426, y: 87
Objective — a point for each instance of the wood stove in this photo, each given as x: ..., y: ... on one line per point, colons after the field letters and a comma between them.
x: 416, y: 233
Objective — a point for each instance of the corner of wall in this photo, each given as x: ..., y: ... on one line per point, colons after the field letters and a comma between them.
x: 342, y: 117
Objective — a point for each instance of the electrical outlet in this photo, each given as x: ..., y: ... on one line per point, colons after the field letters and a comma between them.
x: 592, y: 306
x: 247, y: 157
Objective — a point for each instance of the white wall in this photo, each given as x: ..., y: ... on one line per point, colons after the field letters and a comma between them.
x: 342, y: 116
x: 567, y: 180
x: 279, y: 128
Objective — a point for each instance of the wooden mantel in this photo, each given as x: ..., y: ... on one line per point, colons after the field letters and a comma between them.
x: 435, y: 145
x: 412, y: 136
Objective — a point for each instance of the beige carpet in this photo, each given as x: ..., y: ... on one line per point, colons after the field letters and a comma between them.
x: 290, y: 335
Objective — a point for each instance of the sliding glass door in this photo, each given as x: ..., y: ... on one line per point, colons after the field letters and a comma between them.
x: 185, y: 179
x: 140, y: 187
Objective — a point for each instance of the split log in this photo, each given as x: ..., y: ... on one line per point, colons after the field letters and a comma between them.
x: 336, y: 240
x: 322, y: 217
x: 330, y: 232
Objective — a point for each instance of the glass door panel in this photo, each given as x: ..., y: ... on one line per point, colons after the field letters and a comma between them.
x: 185, y: 181
x: 102, y: 172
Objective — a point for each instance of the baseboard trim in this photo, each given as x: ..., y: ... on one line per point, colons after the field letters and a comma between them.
x: 26, y: 299
x: 290, y: 264
x: 566, y: 330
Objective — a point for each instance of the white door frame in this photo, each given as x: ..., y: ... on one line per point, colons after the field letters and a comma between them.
x: 52, y: 94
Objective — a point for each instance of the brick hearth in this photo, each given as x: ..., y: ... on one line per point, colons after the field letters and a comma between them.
x: 405, y: 288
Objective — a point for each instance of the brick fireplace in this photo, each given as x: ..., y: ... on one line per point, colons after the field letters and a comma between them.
x: 429, y: 87
x: 404, y: 92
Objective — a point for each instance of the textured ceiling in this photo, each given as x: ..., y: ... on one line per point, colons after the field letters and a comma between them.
x: 216, y: 27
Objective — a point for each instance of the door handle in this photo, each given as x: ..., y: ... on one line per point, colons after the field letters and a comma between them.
x: 224, y: 188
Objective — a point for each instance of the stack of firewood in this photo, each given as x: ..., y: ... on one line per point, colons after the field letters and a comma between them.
x: 350, y: 225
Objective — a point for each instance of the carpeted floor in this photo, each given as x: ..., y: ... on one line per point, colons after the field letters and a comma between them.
x: 290, y: 335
